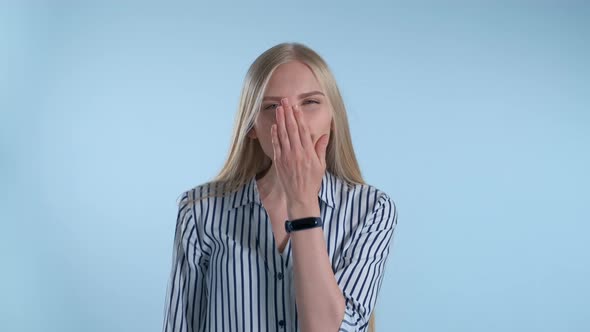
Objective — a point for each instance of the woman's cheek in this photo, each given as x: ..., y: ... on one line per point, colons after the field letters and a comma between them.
x: 311, y: 107
x: 270, y: 120
x: 319, y: 123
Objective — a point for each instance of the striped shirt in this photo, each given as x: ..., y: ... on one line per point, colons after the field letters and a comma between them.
x: 227, y: 272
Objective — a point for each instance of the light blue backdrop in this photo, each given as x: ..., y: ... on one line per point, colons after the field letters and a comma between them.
x: 473, y: 117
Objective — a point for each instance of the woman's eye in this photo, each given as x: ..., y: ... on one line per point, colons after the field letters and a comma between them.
x: 311, y: 101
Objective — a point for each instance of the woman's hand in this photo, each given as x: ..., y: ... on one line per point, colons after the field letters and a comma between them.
x: 299, y: 164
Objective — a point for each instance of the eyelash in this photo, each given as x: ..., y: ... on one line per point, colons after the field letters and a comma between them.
x: 310, y: 100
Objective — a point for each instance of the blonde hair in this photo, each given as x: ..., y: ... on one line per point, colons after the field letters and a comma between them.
x: 246, y: 157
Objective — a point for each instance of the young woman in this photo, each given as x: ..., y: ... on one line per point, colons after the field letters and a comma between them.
x: 287, y: 237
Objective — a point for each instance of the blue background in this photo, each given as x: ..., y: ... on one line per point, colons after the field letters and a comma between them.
x: 473, y: 116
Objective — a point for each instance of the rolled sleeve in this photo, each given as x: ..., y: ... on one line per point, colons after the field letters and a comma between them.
x: 186, y: 292
x: 361, y: 270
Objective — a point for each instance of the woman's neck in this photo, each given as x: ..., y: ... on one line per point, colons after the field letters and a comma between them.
x: 269, y: 187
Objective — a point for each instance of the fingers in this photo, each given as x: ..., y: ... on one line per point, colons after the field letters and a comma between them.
x: 282, y: 130
x: 291, y: 125
x: 276, y: 145
x: 303, y: 131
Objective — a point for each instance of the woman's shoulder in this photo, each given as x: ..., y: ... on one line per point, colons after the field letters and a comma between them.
x: 371, y: 194
x: 371, y: 199
x: 189, y: 204
x: 198, y: 195
x: 208, y: 194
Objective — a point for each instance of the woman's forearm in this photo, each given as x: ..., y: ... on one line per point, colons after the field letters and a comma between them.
x: 320, y: 303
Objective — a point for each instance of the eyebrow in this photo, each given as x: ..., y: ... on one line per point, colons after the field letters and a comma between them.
x: 303, y: 95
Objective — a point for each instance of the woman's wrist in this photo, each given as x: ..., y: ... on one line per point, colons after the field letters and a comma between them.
x: 303, y: 210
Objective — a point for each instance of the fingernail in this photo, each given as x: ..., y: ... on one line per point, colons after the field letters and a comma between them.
x: 285, y: 101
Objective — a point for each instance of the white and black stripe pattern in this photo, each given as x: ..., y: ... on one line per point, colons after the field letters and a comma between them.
x: 228, y: 275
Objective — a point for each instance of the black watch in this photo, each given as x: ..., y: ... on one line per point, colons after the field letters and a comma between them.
x: 303, y: 223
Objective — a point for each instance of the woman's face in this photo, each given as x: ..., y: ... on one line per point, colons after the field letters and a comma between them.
x: 295, y: 81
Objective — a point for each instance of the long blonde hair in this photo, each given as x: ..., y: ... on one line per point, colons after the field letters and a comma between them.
x: 246, y: 157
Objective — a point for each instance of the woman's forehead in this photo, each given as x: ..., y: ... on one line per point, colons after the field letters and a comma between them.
x: 292, y: 75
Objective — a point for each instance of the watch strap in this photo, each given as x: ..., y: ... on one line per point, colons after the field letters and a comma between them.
x: 303, y: 223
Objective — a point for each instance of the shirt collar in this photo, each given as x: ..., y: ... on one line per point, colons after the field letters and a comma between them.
x: 248, y: 193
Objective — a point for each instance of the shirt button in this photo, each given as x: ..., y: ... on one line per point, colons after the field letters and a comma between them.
x: 280, y: 276
x: 281, y: 323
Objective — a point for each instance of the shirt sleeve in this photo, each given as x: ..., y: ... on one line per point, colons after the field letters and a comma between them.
x: 186, y: 292
x: 361, y: 270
